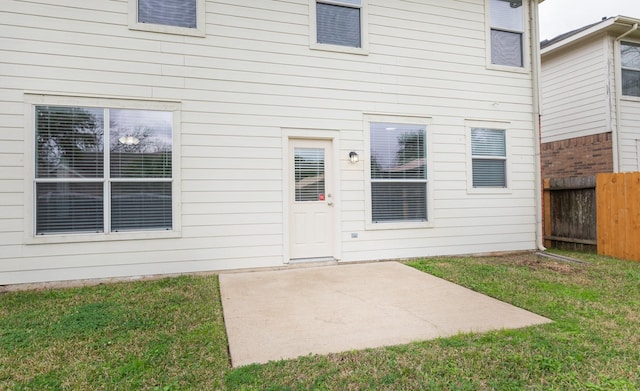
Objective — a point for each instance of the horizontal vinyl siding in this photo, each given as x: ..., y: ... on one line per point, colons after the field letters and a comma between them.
x: 252, y: 76
x: 629, y: 135
x: 574, y: 92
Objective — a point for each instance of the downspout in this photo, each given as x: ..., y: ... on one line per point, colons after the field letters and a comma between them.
x: 535, y: 80
x: 617, y: 144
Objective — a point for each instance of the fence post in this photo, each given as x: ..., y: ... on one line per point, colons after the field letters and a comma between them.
x: 546, y: 217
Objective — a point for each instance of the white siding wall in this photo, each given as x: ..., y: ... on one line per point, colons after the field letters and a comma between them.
x: 629, y: 135
x: 575, y: 93
x: 251, y: 77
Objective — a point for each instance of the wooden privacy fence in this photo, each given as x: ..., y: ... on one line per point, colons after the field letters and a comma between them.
x: 619, y: 215
x: 570, y: 213
x: 594, y: 213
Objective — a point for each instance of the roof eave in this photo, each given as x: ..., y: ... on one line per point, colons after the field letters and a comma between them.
x: 598, y: 28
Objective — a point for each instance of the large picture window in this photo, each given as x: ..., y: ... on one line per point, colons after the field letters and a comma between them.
x: 630, y: 56
x: 101, y: 170
x: 398, y: 172
x: 507, y: 30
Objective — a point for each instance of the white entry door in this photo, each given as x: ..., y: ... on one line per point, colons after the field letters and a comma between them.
x: 311, y: 219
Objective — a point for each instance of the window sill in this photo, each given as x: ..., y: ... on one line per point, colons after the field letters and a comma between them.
x: 489, y: 190
x: 398, y: 225
x: 158, y: 28
x: 507, y: 68
x: 362, y: 51
x: 630, y: 98
x: 114, y: 236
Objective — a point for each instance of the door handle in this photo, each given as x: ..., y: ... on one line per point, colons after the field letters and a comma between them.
x: 330, y: 203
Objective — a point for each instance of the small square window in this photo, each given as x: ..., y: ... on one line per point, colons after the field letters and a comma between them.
x: 338, y: 25
x: 178, y: 13
x: 183, y: 17
x: 506, y: 20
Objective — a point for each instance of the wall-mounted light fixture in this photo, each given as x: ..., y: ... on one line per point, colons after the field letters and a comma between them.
x: 129, y: 140
x: 353, y: 157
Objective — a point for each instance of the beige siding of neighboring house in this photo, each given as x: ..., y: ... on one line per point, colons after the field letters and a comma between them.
x: 611, y: 64
x: 575, y: 92
x: 251, y: 78
x: 629, y: 134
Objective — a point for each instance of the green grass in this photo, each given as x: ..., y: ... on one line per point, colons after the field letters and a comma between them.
x: 169, y: 335
x: 166, y: 334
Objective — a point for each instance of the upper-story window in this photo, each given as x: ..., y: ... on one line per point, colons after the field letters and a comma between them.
x: 506, y: 18
x: 630, y: 55
x: 338, y: 24
x: 184, y: 17
x: 179, y: 13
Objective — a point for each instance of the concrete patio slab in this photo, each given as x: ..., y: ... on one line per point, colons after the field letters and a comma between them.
x: 273, y: 315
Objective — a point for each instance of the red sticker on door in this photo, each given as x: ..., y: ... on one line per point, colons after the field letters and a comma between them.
x: 321, y: 197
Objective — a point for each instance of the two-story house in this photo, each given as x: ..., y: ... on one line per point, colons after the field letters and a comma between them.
x: 146, y: 137
x: 591, y: 99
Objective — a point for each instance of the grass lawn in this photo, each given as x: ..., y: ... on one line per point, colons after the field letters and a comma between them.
x: 169, y: 334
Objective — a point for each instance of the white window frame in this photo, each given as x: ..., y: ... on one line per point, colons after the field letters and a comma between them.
x: 35, y: 99
x: 526, y: 57
x: 398, y: 119
x: 364, y: 30
x: 199, y: 31
x: 496, y: 125
x: 619, y: 58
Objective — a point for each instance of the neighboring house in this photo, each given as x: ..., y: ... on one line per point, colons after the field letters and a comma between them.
x: 591, y: 100
x: 167, y: 136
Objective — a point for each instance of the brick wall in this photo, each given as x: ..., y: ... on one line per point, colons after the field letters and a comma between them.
x: 579, y: 156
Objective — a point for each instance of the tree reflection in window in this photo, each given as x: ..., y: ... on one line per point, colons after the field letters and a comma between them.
x: 150, y: 155
x: 630, y: 56
x: 69, y: 142
x: 72, y: 188
x: 398, y: 172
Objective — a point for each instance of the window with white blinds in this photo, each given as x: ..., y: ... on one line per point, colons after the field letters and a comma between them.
x: 398, y: 172
x: 630, y: 57
x: 309, y: 174
x: 102, y: 170
x: 178, y: 13
x: 339, y: 22
x: 507, y: 30
x: 488, y: 158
